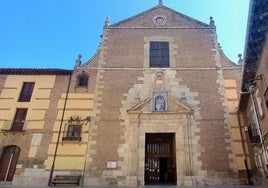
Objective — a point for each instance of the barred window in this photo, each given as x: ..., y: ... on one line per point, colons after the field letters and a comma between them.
x: 73, y: 133
x: 73, y: 129
x: 259, y: 104
x: 19, y: 119
x: 159, y: 54
x: 82, y: 80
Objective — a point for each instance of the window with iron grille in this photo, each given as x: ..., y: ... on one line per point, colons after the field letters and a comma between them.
x: 159, y: 54
x: 82, y: 80
x: 26, y: 92
x: 253, y: 128
x: 73, y: 133
x: 19, y: 120
x: 259, y: 104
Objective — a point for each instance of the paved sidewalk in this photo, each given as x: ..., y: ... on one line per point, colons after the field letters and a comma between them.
x: 151, y: 186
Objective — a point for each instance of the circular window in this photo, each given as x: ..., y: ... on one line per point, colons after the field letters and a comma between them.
x: 159, y: 20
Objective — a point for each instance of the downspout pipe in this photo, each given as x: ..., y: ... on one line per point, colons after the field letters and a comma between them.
x: 244, y: 149
x: 258, y: 125
x: 59, y: 132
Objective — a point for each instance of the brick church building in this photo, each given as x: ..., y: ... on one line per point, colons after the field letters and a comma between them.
x: 156, y: 104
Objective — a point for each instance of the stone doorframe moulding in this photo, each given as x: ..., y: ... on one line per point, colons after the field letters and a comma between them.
x: 178, y: 123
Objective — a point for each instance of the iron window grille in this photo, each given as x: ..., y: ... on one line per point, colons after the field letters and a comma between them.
x: 159, y: 54
x: 19, y: 120
x: 73, y: 133
x: 73, y: 128
x: 82, y: 80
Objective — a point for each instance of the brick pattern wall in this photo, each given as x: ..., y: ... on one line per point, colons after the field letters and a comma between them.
x: 196, y: 75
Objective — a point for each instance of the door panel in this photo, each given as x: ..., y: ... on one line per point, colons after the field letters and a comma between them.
x: 13, y: 165
x: 8, y: 163
x: 4, y: 161
x: 160, y: 158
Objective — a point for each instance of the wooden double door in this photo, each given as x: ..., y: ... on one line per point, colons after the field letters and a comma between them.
x: 8, y: 162
x: 160, y: 159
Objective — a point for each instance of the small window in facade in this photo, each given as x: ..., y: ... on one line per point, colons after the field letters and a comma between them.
x: 259, y: 104
x: 26, y: 92
x: 253, y: 128
x: 73, y: 133
x: 19, y: 120
x: 82, y: 80
x: 159, y: 54
x: 73, y: 129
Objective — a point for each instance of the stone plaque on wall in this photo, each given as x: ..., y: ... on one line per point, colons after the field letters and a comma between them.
x: 111, y: 164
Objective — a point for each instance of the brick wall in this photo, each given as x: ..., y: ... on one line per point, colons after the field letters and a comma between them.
x: 196, y: 74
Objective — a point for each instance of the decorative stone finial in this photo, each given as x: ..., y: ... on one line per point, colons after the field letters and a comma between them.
x: 160, y: 2
x: 78, y: 61
x: 107, y: 21
x: 211, y: 22
x: 240, y: 60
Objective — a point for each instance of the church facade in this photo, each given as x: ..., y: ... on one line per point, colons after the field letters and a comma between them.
x: 155, y: 105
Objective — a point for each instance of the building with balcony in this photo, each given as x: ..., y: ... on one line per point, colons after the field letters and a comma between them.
x: 253, y: 105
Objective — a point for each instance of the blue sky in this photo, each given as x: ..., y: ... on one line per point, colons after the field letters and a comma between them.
x: 51, y: 33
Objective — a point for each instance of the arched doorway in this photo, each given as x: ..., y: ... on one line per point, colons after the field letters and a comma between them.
x: 8, y: 162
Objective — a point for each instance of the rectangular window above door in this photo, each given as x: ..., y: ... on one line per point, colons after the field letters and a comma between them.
x: 159, y: 54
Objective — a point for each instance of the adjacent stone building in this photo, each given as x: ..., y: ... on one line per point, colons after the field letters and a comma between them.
x: 253, y: 105
x: 155, y: 105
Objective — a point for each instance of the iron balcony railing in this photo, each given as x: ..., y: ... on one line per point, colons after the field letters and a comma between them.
x: 67, y: 136
x: 10, y: 125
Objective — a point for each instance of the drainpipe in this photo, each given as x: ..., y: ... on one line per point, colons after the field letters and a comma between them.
x: 59, y: 132
x: 244, y: 149
x: 258, y: 125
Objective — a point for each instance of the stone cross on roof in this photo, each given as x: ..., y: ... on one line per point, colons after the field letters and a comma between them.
x: 160, y: 2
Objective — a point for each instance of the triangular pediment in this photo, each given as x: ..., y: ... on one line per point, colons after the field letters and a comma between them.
x: 172, y: 19
x: 174, y: 106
